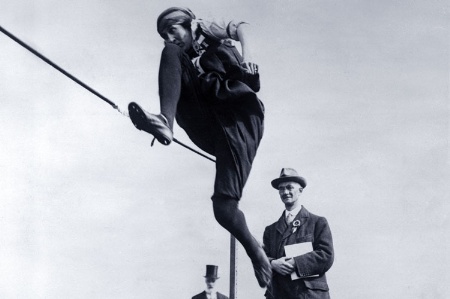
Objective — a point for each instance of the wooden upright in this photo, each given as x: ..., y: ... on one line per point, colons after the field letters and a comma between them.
x: 233, y: 268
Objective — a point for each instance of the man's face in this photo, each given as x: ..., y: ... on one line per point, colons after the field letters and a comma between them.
x: 210, y: 282
x: 289, y: 193
x: 180, y: 36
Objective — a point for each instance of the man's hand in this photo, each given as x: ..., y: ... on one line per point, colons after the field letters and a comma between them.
x: 283, y: 265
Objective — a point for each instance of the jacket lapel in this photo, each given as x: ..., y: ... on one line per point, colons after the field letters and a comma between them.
x: 302, y: 216
x: 284, y: 230
x: 281, y: 224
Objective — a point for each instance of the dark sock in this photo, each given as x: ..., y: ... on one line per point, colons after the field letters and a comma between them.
x: 170, y: 73
x: 232, y: 219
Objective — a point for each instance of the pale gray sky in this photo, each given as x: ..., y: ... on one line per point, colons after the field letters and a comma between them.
x: 357, y: 100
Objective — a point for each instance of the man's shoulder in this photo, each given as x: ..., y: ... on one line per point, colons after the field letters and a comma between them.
x: 312, y: 215
x: 272, y: 226
x: 221, y: 296
x: 202, y: 295
x: 314, y: 218
x: 199, y: 296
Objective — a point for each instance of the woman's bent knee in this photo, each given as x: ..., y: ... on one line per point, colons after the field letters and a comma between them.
x: 224, y: 208
x: 172, y: 51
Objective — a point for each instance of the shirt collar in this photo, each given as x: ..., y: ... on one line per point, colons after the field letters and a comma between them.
x: 294, y: 212
x: 212, y: 295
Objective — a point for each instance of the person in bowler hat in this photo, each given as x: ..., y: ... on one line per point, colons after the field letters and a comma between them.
x: 302, y: 275
x: 210, y: 280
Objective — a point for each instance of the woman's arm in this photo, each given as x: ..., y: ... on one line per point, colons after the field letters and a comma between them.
x: 235, y: 30
x: 244, y: 38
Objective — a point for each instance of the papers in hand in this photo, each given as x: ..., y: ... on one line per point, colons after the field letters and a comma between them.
x: 296, y: 250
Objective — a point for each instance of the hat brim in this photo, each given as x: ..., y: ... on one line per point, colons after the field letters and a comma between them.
x: 297, y: 179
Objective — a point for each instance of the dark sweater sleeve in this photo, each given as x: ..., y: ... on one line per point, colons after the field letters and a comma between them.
x: 224, y: 77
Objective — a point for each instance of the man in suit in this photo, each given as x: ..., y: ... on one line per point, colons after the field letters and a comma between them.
x: 210, y: 280
x: 302, y: 274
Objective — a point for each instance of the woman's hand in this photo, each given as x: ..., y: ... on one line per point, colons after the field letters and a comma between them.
x: 250, y: 67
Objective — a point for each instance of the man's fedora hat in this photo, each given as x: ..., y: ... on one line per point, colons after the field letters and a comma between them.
x: 289, y: 175
x: 211, y: 271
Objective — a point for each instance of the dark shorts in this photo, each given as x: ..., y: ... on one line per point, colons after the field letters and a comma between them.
x: 235, y: 153
x: 228, y: 131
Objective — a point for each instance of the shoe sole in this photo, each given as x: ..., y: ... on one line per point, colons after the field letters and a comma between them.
x: 139, y: 120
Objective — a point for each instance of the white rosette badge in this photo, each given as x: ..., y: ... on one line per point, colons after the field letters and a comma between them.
x: 295, y: 225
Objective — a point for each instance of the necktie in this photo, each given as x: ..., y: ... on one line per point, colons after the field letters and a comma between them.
x: 289, y: 218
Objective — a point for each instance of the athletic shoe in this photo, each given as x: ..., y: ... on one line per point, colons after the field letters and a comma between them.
x: 157, y: 125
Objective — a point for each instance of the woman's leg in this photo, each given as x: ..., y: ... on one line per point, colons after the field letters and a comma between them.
x: 231, y: 174
x: 232, y: 219
x: 170, y: 78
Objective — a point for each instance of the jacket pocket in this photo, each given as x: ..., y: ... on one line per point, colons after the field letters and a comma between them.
x: 304, y: 238
x: 316, y: 285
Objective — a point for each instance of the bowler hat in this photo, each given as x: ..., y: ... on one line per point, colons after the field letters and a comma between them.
x: 211, y: 271
x: 289, y: 175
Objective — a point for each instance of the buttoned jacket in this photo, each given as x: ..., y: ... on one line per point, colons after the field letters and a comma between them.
x: 311, y: 228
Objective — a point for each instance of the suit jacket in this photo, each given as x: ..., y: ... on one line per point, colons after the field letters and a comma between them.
x: 313, y: 229
x: 202, y: 295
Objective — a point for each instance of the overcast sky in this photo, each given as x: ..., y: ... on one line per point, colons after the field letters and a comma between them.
x: 357, y: 100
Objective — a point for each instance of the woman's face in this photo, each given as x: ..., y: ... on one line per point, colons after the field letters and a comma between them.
x: 180, y: 36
